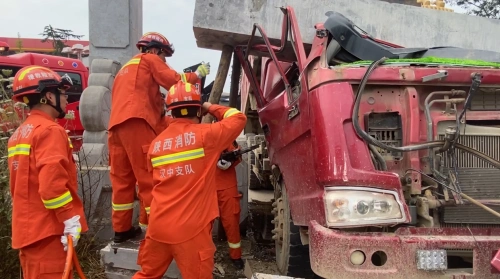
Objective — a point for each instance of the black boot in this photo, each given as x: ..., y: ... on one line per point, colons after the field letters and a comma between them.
x: 124, y: 236
x: 238, y: 263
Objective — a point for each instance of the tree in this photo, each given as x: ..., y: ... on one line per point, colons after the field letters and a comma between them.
x: 58, y: 37
x: 484, y: 8
x: 19, y: 43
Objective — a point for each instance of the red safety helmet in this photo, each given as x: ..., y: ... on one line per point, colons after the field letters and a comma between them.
x: 34, y: 79
x: 183, y: 95
x: 156, y: 40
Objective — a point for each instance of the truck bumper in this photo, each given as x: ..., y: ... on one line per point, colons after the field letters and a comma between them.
x: 394, y: 255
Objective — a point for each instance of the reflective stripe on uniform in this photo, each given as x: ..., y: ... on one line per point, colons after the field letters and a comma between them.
x: 147, y: 209
x: 230, y: 112
x: 134, y: 61
x: 19, y: 149
x: 183, y: 78
x: 70, y: 144
x: 178, y: 157
x: 122, y: 206
x: 234, y: 245
x: 60, y: 201
x: 171, y: 91
x: 142, y: 225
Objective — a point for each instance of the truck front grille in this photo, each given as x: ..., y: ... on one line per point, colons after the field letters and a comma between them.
x: 477, y: 179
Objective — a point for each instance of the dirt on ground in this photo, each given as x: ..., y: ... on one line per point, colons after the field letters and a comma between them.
x: 260, y: 259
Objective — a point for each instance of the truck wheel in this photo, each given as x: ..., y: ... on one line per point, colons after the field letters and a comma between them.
x: 292, y: 257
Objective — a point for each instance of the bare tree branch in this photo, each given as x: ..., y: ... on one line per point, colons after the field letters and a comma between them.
x: 58, y: 37
x: 483, y: 8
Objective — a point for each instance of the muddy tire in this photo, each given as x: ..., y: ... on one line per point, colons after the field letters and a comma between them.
x: 292, y: 257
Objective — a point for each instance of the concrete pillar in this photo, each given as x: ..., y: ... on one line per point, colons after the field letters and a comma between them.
x: 226, y: 22
x: 115, y: 26
x: 404, y: 2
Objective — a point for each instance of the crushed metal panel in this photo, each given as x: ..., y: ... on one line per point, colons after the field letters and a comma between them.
x: 120, y: 260
x: 251, y: 275
x: 260, y: 196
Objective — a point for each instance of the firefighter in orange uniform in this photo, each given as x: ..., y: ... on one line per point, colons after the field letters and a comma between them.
x: 229, y: 204
x: 136, y: 119
x: 143, y: 218
x: 46, y: 208
x: 183, y: 159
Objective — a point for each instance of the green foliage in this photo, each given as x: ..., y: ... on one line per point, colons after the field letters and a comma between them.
x: 484, y: 8
x: 58, y: 37
x: 19, y: 43
x: 434, y: 61
x: 9, y: 121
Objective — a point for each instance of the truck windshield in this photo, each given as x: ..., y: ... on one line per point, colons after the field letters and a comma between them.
x: 76, y: 90
x: 73, y: 93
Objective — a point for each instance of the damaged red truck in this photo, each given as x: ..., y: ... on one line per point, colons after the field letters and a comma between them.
x: 367, y: 158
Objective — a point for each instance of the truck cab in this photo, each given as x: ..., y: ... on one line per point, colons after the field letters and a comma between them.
x: 74, y: 68
x: 371, y: 152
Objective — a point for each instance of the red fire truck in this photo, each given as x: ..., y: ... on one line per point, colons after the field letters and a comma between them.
x: 72, y: 67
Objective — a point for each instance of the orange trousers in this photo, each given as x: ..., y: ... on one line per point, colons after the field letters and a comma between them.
x: 143, y: 216
x: 128, y: 147
x: 43, y: 259
x: 195, y: 257
x: 229, y: 207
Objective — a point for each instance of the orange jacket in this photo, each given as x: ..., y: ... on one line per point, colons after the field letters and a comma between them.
x: 43, y: 181
x: 225, y: 179
x: 136, y: 91
x: 183, y: 158
x: 165, y: 121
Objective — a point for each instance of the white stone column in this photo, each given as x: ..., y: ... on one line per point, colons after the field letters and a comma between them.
x: 115, y: 26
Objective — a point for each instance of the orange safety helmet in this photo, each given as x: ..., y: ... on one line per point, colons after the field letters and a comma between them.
x: 183, y: 95
x: 156, y: 40
x: 35, y: 79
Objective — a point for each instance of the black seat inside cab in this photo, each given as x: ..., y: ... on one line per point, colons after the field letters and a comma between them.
x: 356, y: 46
x: 350, y: 43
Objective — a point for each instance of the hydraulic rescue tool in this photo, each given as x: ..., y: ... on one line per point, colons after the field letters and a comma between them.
x: 233, y: 155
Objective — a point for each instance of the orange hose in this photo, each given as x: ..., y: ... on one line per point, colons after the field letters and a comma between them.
x: 72, y: 259
x: 68, y: 266
x: 78, y: 268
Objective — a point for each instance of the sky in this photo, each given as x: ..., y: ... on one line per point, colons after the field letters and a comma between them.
x: 172, y: 18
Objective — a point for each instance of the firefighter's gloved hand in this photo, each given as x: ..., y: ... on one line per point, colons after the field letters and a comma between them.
x: 72, y: 227
x: 223, y: 164
x: 203, y: 70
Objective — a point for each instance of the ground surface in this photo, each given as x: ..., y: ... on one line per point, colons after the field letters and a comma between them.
x: 261, y: 259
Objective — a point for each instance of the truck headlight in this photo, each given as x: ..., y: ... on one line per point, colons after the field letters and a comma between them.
x: 356, y: 206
